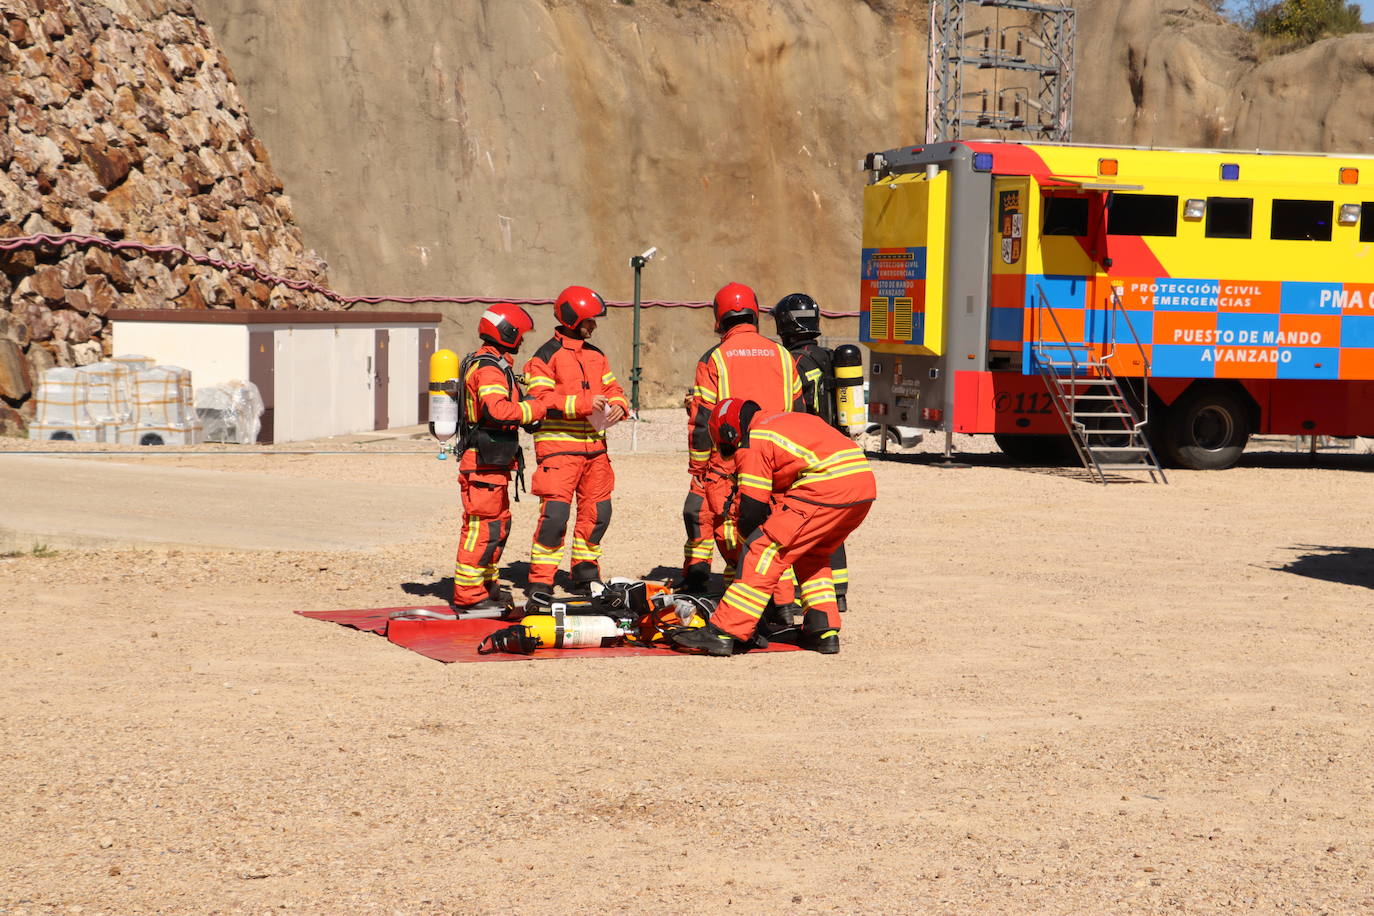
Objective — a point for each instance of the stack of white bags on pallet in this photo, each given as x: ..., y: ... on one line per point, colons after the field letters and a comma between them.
x: 125, y: 400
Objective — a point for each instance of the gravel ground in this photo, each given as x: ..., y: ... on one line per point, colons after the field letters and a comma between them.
x: 1053, y: 697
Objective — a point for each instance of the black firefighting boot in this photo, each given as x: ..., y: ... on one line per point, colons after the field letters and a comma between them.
x: 696, y: 581
x: 708, y: 640
x: 778, y: 624
x: 818, y: 635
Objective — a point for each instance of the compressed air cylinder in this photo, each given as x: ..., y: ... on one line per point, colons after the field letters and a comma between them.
x: 443, y: 404
x: 579, y: 631
x: 849, y: 380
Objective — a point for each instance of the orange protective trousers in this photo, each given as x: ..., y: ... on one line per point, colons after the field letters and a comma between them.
x: 558, y: 480
x: 799, y: 535
x: 486, y: 525
x: 718, y: 483
x: 699, y: 547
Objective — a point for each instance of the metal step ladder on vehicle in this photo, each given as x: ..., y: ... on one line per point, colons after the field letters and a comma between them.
x: 1103, y: 424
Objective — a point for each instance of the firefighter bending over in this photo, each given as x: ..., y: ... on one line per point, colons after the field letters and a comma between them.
x: 745, y: 365
x: 494, y: 410
x: 803, y: 487
x: 572, y: 380
x: 797, y: 318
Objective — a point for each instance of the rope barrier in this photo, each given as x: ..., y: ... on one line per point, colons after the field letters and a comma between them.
x: 306, y: 286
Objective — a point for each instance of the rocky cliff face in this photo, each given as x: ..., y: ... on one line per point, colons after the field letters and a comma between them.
x: 119, y: 118
x: 1172, y: 73
x: 509, y: 147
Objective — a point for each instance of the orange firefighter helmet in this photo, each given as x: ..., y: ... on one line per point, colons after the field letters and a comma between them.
x: 576, y: 304
x: 735, y: 301
x: 504, y: 325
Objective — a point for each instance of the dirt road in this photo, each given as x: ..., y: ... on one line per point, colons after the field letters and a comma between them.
x: 1052, y: 697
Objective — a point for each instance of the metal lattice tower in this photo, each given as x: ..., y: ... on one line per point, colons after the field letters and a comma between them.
x: 964, y: 86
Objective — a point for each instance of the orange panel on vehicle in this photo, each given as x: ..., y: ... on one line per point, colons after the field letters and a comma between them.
x: 1071, y: 322
x: 1359, y: 298
x: 1128, y: 360
x: 1249, y: 297
x: 1357, y: 362
x: 1319, y: 330
x: 1008, y: 290
x: 1239, y: 362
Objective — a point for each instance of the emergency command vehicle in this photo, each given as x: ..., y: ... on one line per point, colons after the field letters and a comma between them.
x: 1198, y: 297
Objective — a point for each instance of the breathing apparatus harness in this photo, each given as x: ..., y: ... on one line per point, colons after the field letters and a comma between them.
x: 497, y: 444
x: 648, y: 615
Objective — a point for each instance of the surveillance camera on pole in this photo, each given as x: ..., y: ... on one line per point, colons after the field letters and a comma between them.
x: 638, y: 262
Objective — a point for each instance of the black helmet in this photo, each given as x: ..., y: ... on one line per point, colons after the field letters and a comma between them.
x: 797, y: 315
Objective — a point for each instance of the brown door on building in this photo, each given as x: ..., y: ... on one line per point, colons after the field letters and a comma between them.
x: 262, y: 371
x: 381, y: 376
x: 428, y: 341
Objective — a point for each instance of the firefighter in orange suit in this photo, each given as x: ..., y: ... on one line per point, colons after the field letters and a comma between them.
x: 493, y: 412
x: 696, y: 518
x: 803, y: 488
x: 747, y: 365
x: 572, y: 380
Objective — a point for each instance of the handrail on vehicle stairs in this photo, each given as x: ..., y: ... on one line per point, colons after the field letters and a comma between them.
x: 1095, y: 375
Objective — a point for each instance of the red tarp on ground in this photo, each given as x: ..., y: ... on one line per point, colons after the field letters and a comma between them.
x: 456, y: 640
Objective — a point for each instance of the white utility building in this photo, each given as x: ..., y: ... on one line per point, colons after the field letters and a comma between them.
x: 320, y: 373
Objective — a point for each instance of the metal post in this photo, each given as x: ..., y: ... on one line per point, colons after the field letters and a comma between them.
x: 637, y: 262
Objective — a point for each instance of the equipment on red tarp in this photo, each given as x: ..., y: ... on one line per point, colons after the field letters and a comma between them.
x: 642, y: 613
x: 623, y: 612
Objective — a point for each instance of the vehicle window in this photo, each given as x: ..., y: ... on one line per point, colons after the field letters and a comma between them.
x: 1367, y: 222
x: 1230, y: 217
x: 1302, y: 220
x: 1143, y: 214
x: 1066, y: 216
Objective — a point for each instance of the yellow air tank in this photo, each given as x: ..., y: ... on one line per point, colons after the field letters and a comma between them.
x: 444, y: 391
x: 568, y: 631
x: 849, y: 380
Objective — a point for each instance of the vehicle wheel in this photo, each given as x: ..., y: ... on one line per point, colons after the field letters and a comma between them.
x: 1026, y: 448
x: 1207, y: 430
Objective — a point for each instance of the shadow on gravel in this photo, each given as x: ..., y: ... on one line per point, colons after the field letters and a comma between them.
x: 443, y: 588
x: 660, y: 573
x: 998, y: 460
x: 1327, y: 461
x: 1346, y: 565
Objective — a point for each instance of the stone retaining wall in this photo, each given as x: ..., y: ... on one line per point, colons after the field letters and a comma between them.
x: 120, y: 118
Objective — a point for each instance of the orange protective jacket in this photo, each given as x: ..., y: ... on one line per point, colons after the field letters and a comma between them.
x: 565, y: 374
x: 745, y: 364
x: 804, y: 457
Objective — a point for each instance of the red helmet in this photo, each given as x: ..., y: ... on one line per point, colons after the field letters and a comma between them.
x: 505, y: 325
x: 730, y: 422
x: 735, y: 300
x: 576, y: 304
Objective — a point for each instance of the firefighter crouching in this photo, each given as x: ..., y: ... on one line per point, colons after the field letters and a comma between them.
x: 493, y: 412
x: 797, y: 318
x: 803, y: 487
x: 744, y: 365
x: 572, y: 380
